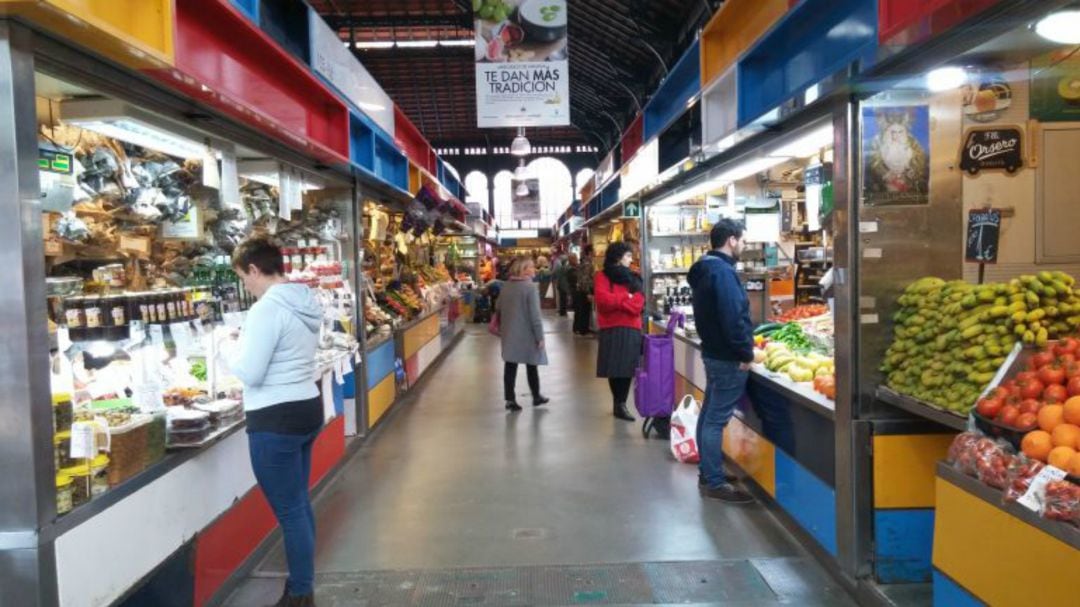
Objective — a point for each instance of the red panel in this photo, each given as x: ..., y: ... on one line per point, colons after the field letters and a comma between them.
x: 328, y: 450
x: 412, y: 369
x: 410, y: 140
x: 632, y: 139
x: 223, y: 546
x: 907, y: 22
x: 224, y: 59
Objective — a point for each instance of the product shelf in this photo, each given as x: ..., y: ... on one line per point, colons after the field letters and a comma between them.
x: 922, y: 409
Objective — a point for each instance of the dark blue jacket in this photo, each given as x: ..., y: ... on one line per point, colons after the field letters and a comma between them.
x: 721, y: 309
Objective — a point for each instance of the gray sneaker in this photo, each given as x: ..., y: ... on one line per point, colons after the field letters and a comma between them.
x: 727, y: 493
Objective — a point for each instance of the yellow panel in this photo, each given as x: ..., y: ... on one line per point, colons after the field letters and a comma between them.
x: 904, y: 469
x: 418, y: 336
x: 997, y: 557
x: 380, y: 398
x: 734, y: 29
x: 415, y: 180
x: 754, y: 454
x: 135, y: 33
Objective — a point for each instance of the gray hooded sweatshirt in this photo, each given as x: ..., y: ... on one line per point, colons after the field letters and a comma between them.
x: 276, y: 359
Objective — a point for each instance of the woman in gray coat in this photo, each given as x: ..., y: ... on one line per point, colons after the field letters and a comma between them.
x: 521, y: 331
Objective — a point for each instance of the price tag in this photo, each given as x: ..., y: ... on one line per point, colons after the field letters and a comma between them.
x: 181, y: 334
x: 148, y: 397
x: 868, y: 227
x: 157, y: 336
x: 1035, y: 495
x: 872, y: 253
x: 83, y: 440
x: 211, y: 178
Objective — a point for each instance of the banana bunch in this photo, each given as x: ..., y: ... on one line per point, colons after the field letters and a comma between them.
x: 779, y: 358
x: 950, y: 338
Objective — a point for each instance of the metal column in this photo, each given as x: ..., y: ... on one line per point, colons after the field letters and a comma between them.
x: 27, y: 495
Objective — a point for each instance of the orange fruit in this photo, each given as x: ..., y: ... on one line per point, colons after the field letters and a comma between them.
x: 1072, y: 411
x: 1050, y: 416
x: 1065, y: 435
x: 1037, y: 445
x: 1074, y: 465
x: 1060, y: 457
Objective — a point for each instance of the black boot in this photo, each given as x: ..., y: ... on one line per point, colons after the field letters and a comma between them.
x: 620, y: 412
x: 288, y: 600
x: 512, y: 406
x: 540, y: 400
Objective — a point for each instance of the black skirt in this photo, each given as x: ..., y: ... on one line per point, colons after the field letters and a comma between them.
x: 620, y: 351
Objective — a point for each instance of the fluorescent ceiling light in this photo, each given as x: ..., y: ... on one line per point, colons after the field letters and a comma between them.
x: 268, y: 172
x: 691, y: 192
x: 1062, y: 27
x: 751, y: 167
x: 469, y: 42
x: 374, y: 44
x: 807, y: 145
x: 945, y: 78
x: 417, y: 43
x: 121, y: 121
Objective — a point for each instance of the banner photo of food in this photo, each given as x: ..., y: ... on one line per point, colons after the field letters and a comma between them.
x: 522, y: 65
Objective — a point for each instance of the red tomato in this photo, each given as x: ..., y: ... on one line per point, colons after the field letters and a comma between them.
x: 1000, y: 392
x: 1010, y: 385
x: 1069, y: 345
x: 1026, y: 421
x: 1052, y: 374
x: 1032, y: 388
x: 1043, y: 358
x: 1066, y: 359
x: 1008, y: 415
x: 1030, y: 405
x: 1073, y: 387
x: 1026, y: 376
x: 989, y: 407
x: 1055, y: 393
x: 1071, y: 369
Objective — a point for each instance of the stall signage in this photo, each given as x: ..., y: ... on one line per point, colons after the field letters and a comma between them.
x: 755, y: 286
x: 336, y: 63
x: 54, y: 161
x: 632, y: 209
x: 522, y: 65
x: 994, y: 149
x: 983, y: 233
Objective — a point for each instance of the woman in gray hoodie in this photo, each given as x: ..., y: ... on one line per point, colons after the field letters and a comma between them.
x: 276, y: 363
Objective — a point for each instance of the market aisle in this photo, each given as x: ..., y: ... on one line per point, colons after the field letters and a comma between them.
x: 454, y: 500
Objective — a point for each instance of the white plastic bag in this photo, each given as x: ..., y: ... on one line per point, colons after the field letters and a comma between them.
x: 684, y: 430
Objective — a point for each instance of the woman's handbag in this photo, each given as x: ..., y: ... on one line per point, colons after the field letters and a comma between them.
x: 494, y: 326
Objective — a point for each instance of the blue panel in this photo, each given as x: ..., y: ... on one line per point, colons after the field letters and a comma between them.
x: 390, y: 164
x: 361, y: 142
x: 813, y: 41
x: 809, y: 501
x: 286, y: 21
x: 948, y: 593
x: 249, y: 8
x: 680, y: 85
x: 610, y: 194
x: 380, y: 363
x: 338, y: 396
x: 349, y: 390
x: 903, y: 542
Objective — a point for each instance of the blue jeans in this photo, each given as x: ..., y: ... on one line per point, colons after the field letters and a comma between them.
x: 282, y: 465
x: 724, y: 385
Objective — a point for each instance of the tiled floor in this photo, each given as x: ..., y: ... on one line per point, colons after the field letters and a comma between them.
x: 456, y: 502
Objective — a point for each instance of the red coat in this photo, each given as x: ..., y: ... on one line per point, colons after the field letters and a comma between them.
x: 615, y: 306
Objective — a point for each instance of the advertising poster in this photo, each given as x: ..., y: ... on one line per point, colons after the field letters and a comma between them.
x: 896, y: 155
x: 522, y: 66
x: 1055, y: 87
x: 527, y: 207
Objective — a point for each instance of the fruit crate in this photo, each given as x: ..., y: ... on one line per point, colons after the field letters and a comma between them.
x: 995, y: 429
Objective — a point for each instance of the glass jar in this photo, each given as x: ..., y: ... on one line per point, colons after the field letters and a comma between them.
x: 161, y: 307
x: 63, y: 411
x: 65, y: 493
x: 75, y: 317
x: 88, y: 479
x: 94, y: 318
x: 114, y: 313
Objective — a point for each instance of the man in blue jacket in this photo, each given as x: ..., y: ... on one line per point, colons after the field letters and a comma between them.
x: 722, y: 316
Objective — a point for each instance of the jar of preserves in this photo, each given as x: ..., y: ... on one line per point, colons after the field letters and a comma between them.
x: 65, y: 493
x: 75, y: 317
x: 160, y: 305
x: 114, y: 314
x: 94, y: 318
x: 63, y: 411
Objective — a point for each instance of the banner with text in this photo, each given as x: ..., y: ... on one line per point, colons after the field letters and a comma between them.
x: 522, y: 71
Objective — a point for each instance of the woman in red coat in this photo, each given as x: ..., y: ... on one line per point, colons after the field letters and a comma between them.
x: 619, y: 306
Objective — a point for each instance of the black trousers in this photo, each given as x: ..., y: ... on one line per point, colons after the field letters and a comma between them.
x: 564, y: 301
x: 620, y: 388
x: 510, y: 380
x: 582, y: 312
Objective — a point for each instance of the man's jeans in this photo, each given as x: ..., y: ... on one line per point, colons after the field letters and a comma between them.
x: 724, y: 386
x: 282, y: 466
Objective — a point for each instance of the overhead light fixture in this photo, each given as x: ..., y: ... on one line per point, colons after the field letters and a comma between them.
x: 520, y: 146
x: 269, y: 172
x: 125, y: 122
x: 374, y: 44
x: 945, y: 79
x: 521, y: 172
x: 522, y: 189
x: 1062, y: 27
x: 807, y: 145
x: 468, y: 42
x: 417, y: 43
x: 691, y: 192
x: 750, y: 167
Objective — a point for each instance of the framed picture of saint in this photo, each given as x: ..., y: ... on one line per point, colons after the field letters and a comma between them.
x: 896, y: 155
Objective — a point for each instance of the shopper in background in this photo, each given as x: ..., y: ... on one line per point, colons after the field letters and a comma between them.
x: 583, y: 293
x: 521, y: 331
x: 559, y: 276
x: 544, y: 277
x: 568, y: 283
x: 275, y: 361
x: 722, y: 316
x: 619, y: 305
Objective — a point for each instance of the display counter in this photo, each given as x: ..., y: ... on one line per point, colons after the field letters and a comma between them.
x: 987, y: 552
x: 782, y: 437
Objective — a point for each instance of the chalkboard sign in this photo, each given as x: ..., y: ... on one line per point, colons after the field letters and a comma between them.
x: 983, y: 233
x: 993, y: 149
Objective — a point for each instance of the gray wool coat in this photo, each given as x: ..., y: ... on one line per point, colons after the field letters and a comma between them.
x: 519, y: 322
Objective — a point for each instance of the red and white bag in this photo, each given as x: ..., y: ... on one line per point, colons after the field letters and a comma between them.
x: 684, y: 420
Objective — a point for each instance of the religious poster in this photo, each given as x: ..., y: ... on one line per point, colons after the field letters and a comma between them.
x: 522, y: 66
x: 525, y: 206
x: 896, y: 155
